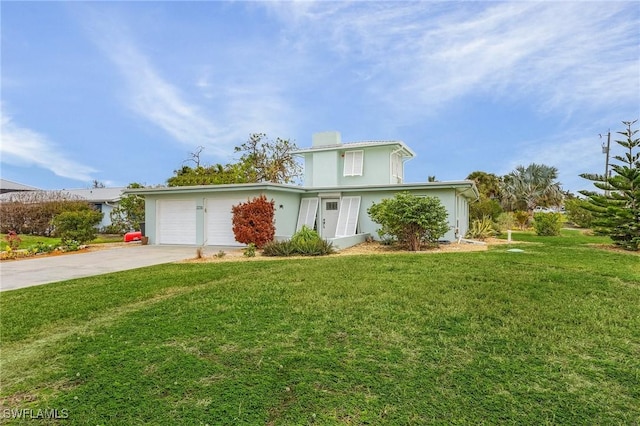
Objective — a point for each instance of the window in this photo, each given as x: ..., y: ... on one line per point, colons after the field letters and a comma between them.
x: 353, y: 161
x: 331, y: 205
x: 348, y: 216
x: 307, y: 213
x: 396, y: 168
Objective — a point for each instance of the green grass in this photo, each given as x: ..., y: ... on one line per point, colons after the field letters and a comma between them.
x: 32, y: 240
x: 547, y: 336
x: 567, y: 237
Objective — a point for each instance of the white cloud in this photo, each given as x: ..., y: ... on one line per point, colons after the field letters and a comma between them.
x: 219, y: 115
x: 25, y: 147
x: 160, y: 102
x: 567, y: 56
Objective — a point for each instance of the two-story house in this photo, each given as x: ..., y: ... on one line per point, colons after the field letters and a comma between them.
x: 341, y: 181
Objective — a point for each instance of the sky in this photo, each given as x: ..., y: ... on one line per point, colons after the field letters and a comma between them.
x: 123, y: 92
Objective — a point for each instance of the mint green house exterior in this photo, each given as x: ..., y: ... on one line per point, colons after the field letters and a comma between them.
x: 341, y: 181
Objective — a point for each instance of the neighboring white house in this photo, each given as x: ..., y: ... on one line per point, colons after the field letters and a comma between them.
x: 11, y: 186
x: 341, y: 181
x: 102, y: 199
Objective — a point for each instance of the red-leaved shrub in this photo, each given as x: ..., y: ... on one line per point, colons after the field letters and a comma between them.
x: 253, y: 221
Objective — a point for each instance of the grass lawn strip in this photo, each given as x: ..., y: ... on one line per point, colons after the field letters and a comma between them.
x: 19, y: 359
x: 546, y: 336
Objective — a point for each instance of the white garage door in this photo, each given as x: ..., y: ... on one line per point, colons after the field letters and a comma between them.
x: 176, y: 221
x: 219, y: 223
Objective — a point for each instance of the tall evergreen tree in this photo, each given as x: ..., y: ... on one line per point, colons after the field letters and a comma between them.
x: 617, y: 209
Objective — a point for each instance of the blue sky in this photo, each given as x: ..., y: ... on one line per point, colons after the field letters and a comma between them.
x: 122, y: 92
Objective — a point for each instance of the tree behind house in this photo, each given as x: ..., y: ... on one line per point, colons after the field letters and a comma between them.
x: 525, y: 188
x: 261, y: 160
x: 616, y: 210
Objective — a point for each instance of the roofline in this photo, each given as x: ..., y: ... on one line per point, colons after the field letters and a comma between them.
x: 468, y: 187
x: 214, y: 188
x: 349, y: 145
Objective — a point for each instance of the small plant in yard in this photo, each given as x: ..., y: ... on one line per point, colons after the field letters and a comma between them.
x: 548, y: 224
x: 249, y: 250
x: 13, y: 240
x: 9, y: 253
x: 305, y: 242
x: 505, y: 222
x: 221, y: 254
x: 279, y: 249
x: 481, y: 229
x: 71, y: 245
x: 305, y: 234
x: 41, y: 247
x: 522, y: 218
x: 199, y: 252
x: 386, y: 239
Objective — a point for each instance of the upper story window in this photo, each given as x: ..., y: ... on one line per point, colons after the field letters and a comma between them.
x: 353, y: 161
x: 396, y: 168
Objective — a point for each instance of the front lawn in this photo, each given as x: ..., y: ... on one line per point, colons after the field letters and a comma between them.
x: 549, y: 335
x: 28, y: 241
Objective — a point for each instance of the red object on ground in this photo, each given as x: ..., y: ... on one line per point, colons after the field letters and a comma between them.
x: 132, y: 236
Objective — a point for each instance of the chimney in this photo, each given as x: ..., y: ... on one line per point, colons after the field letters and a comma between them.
x: 326, y: 139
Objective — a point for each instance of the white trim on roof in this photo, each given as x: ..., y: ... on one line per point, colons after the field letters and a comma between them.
x: 362, y: 144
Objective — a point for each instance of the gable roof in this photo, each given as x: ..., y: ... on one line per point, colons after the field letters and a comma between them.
x: 97, y: 195
x: 93, y: 195
x: 407, y: 152
x: 9, y: 186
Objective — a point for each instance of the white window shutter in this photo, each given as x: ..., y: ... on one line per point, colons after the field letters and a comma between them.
x: 307, y: 213
x: 348, y: 216
x: 353, y: 162
x: 396, y: 168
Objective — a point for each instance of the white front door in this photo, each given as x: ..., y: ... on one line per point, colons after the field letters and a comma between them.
x: 330, y: 209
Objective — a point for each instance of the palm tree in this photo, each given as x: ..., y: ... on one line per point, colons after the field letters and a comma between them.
x: 527, y: 187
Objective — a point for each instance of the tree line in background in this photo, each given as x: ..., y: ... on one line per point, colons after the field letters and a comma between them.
x: 515, y: 199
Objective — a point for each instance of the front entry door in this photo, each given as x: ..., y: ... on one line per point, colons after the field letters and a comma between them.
x: 329, y: 220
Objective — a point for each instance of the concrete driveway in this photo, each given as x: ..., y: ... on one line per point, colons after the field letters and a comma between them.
x: 42, y: 270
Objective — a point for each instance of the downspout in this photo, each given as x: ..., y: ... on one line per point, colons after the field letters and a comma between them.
x: 455, y: 212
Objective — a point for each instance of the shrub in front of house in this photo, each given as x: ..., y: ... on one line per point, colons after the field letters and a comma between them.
x: 76, y: 227
x: 412, y: 219
x: 305, y: 242
x: 548, y: 224
x: 254, y: 221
